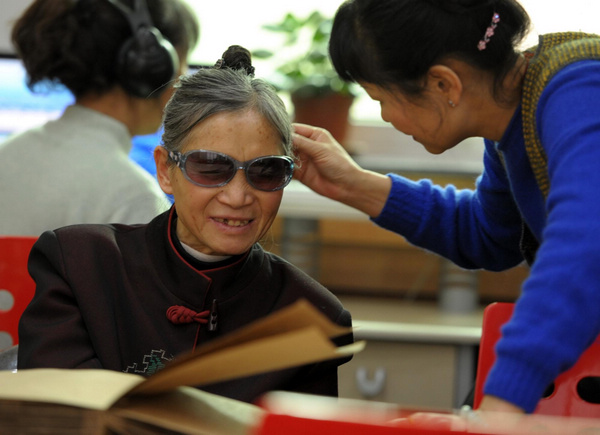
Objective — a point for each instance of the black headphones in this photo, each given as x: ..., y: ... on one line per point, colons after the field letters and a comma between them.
x: 146, y: 62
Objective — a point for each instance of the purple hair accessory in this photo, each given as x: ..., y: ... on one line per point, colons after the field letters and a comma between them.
x: 489, y: 32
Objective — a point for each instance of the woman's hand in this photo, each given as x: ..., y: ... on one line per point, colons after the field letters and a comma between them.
x: 493, y: 413
x: 327, y: 168
x: 494, y: 404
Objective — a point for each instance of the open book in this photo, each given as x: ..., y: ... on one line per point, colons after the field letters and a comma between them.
x: 103, y: 401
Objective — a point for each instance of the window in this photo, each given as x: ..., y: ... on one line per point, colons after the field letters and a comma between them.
x: 231, y: 22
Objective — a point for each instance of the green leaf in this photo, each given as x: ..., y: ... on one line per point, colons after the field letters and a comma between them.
x: 311, y: 69
x: 262, y: 54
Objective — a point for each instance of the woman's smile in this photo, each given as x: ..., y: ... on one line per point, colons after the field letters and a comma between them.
x: 233, y: 222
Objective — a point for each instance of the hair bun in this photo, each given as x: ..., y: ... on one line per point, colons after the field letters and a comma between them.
x: 236, y: 57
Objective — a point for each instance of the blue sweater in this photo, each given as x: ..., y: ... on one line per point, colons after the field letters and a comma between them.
x: 557, y: 315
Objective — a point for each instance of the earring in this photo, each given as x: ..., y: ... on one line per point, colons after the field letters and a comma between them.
x: 451, y: 103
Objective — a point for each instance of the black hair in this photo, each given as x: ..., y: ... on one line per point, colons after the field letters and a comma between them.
x: 76, y: 42
x: 395, y: 42
x: 236, y: 57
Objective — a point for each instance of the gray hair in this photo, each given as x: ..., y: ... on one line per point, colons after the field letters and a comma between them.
x: 210, y: 91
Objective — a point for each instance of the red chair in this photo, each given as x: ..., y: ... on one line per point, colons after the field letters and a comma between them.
x: 568, y: 397
x: 16, y: 286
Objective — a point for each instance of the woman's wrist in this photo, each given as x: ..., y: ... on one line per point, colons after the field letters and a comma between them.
x: 368, y: 193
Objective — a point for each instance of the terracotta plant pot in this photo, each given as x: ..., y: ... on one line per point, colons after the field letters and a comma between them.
x: 330, y: 112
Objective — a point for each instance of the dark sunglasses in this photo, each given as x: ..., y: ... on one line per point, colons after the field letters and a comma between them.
x: 213, y: 169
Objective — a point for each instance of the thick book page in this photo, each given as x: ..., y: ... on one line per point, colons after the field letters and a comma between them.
x: 298, y: 315
x: 188, y: 411
x: 295, y: 335
x: 291, y: 349
x: 85, y: 388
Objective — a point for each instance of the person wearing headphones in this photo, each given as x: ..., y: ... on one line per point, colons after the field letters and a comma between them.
x: 119, y: 58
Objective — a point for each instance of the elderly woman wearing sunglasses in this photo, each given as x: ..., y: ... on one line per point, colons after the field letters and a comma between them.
x: 132, y: 297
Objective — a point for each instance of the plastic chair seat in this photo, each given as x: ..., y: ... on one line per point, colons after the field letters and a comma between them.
x: 16, y: 286
x: 567, y: 397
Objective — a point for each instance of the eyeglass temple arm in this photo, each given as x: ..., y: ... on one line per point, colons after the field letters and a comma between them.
x: 176, y: 157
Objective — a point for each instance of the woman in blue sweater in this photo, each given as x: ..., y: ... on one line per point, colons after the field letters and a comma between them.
x: 447, y: 70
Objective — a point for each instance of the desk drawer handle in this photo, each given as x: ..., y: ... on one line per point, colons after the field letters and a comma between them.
x: 370, y: 387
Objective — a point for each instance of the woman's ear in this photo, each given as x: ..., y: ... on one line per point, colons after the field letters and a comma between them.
x: 163, y: 172
x: 444, y: 81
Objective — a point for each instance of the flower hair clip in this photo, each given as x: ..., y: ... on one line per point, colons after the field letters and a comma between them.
x: 489, y: 32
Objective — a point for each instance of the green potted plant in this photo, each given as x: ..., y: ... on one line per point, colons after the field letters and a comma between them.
x: 318, y: 95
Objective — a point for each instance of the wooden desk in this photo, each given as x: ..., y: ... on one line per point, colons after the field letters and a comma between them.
x: 416, y: 354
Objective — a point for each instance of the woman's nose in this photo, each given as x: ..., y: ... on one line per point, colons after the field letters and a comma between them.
x: 237, y: 193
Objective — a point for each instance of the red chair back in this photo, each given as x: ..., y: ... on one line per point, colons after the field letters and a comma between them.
x: 565, y: 398
x: 16, y: 286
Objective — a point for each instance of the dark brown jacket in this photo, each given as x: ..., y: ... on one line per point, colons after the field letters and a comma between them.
x: 102, y: 293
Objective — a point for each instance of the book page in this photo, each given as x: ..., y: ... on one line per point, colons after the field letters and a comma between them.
x: 291, y: 349
x: 188, y: 411
x: 85, y: 388
x: 298, y: 315
x: 295, y: 335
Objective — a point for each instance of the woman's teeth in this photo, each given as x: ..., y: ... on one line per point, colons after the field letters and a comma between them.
x: 232, y: 223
